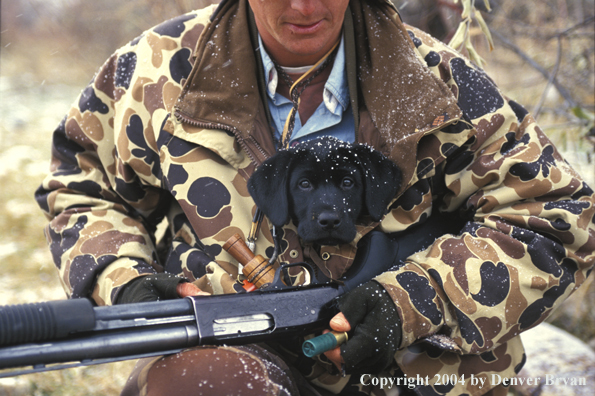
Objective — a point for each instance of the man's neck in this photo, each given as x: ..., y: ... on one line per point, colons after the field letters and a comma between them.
x: 288, y: 59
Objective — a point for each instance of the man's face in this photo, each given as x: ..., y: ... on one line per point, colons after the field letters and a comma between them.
x: 299, y: 32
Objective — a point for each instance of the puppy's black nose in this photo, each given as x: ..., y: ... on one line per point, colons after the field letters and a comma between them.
x: 329, y: 220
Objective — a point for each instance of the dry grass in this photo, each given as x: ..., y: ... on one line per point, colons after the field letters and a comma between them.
x: 28, y: 274
x: 101, y: 380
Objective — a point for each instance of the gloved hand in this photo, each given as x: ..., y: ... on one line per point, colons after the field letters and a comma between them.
x: 150, y: 288
x: 376, y: 326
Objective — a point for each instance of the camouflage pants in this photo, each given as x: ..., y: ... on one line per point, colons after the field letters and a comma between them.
x: 251, y: 370
x: 245, y: 370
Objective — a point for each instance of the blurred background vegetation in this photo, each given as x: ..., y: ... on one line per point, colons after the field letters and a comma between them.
x: 49, y: 49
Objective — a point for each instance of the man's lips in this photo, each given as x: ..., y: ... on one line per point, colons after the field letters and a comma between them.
x: 303, y: 28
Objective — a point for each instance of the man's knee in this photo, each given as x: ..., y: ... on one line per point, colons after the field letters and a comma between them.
x: 245, y: 370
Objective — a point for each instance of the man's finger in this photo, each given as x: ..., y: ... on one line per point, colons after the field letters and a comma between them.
x: 186, y: 289
x: 340, y: 323
x: 337, y: 323
x: 334, y: 355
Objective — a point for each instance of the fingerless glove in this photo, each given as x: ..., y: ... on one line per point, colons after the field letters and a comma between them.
x: 376, y: 329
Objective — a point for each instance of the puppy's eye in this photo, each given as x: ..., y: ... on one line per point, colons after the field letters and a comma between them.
x: 347, y: 182
x: 304, y: 184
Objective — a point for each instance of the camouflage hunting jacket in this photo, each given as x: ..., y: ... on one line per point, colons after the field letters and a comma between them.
x: 173, y: 125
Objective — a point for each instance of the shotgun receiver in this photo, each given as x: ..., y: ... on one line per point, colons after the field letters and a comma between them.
x: 62, y: 334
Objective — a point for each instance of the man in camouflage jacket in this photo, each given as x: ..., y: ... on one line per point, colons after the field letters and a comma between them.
x: 174, y: 124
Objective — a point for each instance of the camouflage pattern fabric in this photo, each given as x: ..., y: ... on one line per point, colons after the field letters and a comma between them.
x: 173, y: 125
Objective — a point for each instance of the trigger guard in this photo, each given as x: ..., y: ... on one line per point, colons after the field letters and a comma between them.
x: 278, y: 283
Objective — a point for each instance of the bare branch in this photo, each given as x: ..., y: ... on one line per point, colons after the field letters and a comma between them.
x: 513, y: 47
x: 537, y: 109
x: 578, y: 25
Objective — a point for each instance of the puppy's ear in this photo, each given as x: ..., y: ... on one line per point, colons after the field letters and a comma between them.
x: 382, y: 180
x: 268, y: 187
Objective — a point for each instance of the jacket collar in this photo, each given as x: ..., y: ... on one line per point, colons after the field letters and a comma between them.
x: 404, y: 100
x: 222, y: 87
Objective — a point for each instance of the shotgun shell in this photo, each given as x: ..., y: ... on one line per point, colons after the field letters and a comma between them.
x: 323, y: 343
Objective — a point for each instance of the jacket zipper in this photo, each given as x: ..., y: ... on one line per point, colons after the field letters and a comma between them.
x: 181, y: 117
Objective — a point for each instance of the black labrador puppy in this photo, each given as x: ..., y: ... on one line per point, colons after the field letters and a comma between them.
x: 324, y: 186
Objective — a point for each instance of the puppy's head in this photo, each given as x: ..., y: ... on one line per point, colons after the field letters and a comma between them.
x: 324, y: 186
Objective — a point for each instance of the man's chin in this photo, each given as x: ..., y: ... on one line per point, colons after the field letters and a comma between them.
x: 304, y: 49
